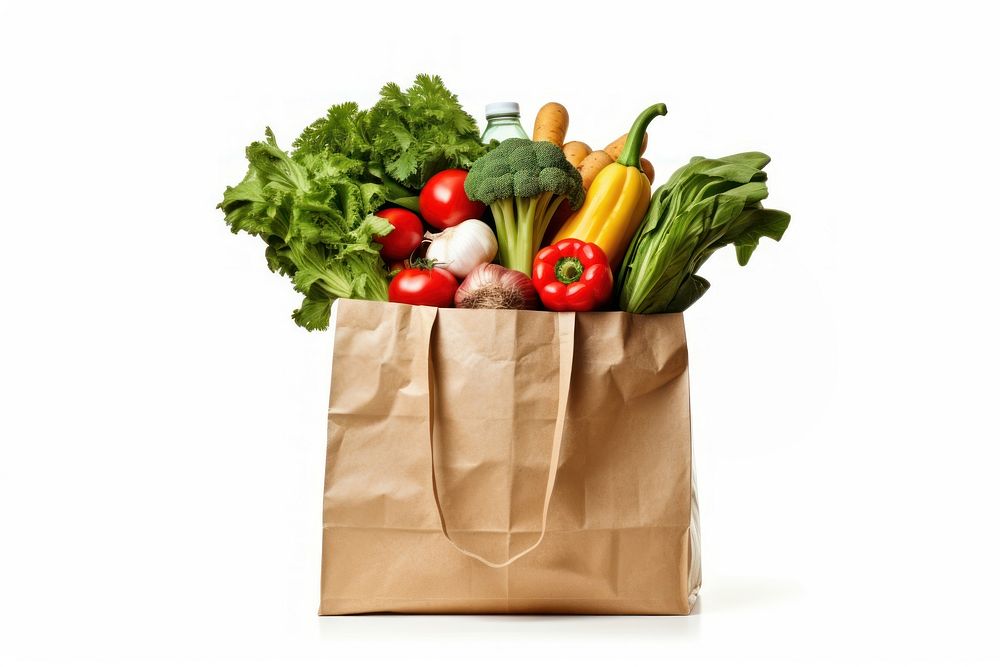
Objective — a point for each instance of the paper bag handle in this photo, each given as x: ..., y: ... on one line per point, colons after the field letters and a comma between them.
x: 566, y: 323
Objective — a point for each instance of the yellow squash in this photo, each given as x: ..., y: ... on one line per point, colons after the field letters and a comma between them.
x: 617, y: 199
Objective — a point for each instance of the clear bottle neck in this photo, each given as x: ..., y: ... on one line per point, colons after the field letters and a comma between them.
x: 503, y: 126
x: 504, y: 119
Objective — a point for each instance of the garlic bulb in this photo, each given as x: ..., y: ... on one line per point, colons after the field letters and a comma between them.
x: 461, y: 248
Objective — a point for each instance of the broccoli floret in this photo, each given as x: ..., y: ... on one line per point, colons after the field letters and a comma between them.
x: 523, y: 182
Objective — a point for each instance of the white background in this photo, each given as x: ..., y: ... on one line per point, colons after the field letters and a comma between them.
x: 163, y: 423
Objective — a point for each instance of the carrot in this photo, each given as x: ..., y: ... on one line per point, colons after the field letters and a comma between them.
x: 592, y: 165
x: 576, y: 151
x: 551, y: 124
x: 647, y: 168
x: 614, y: 149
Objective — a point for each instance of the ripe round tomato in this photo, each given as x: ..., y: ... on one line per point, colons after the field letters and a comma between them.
x: 443, y: 202
x: 405, y: 238
x: 419, y: 286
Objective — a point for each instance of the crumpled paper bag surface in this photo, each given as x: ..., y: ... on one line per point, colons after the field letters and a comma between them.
x: 442, y: 428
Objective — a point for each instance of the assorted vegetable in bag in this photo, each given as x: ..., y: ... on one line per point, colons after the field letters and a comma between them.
x: 339, y: 214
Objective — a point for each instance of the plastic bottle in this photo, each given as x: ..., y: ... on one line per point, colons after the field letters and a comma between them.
x: 503, y: 121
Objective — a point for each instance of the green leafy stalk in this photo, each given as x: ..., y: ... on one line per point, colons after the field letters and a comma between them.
x: 705, y: 205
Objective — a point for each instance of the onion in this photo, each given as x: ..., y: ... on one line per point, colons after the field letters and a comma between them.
x: 461, y: 248
x: 493, y: 286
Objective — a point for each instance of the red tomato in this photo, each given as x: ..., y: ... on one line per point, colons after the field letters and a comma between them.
x: 424, y: 287
x: 443, y: 202
x: 405, y: 238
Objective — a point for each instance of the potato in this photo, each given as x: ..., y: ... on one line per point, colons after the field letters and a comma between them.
x: 576, y: 151
x: 647, y: 168
x: 592, y: 165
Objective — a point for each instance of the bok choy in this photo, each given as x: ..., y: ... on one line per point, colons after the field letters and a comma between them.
x: 706, y: 204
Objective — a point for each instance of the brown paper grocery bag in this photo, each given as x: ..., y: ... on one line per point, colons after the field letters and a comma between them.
x: 499, y: 461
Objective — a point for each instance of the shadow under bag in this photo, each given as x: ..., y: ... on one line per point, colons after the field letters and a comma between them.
x: 504, y: 461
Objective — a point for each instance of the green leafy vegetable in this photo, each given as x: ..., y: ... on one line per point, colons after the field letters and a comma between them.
x: 407, y: 137
x: 318, y: 225
x: 314, y: 208
x: 707, y: 204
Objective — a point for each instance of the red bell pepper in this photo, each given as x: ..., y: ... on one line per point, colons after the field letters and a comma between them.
x: 572, y: 275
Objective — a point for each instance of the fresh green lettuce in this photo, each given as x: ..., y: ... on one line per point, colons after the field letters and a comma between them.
x: 317, y: 222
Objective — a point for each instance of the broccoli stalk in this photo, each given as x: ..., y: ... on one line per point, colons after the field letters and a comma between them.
x: 523, y: 182
x: 521, y: 223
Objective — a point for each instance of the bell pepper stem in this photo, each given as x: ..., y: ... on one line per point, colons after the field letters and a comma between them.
x: 633, y: 144
x: 568, y: 270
